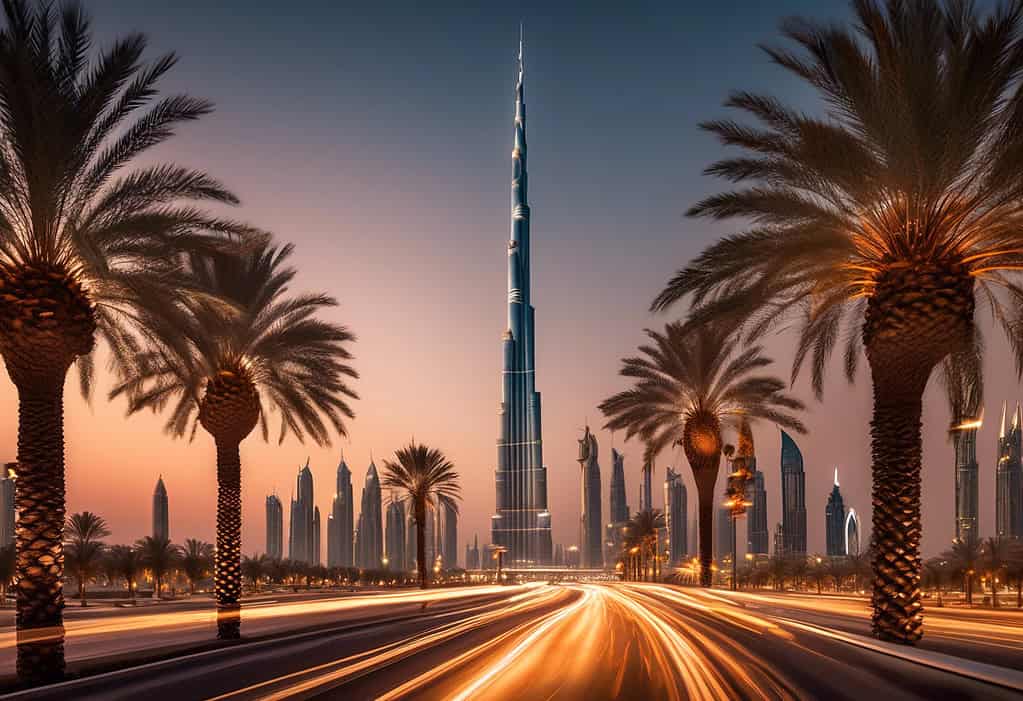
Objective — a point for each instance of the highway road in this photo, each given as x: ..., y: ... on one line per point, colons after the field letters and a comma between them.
x: 584, y: 641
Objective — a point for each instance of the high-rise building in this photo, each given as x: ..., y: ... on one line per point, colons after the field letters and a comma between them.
x: 300, y: 533
x: 590, y: 522
x: 646, y: 490
x: 395, y: 535
x: 756, y: 514
x: 522, y: 523
x: 161, y: 519
x: 967, y: 474
x: 779, y: 540
x: 341, y: 524
x: 472, y: 554
x: 793, y: 497
x: 449, y: 523
x: 852, y: 533
x: 7, y: 508
x: 314, y: 547
x: 1009, y: 479
x: 619, y: 515
x: 724, y: 534
x: 675, y: 514
x: 370, y: 541
x: 274, y: 527
x: 834, y: 521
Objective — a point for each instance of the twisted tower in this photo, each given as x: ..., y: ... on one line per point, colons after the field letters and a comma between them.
x: 522, y: 523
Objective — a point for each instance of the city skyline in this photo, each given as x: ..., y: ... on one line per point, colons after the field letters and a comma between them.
x: 561, y: 189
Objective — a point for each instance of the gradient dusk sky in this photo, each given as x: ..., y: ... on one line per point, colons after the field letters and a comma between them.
x: 378, y: 139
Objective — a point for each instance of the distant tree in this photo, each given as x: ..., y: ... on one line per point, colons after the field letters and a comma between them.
x: 128, y: 563
x: 966, y: 558
x: 160, y: 556
x: 253, y: 568
x: 818, y: 571
x: 1014, y: 571
x: 84, y: 548
x: 778, y: 568
x: 996, y: 554
x: 641, y: 531
x: 423, y: 477
x: 196, y: 559
x: 937, y: 571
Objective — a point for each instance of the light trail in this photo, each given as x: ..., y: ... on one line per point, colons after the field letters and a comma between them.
x: 338, y: 671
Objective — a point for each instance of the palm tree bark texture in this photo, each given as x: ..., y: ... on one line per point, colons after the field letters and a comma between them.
x: 227, y: 562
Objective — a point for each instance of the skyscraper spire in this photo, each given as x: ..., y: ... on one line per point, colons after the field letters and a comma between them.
x: 521, y: 522
x: 1001, y: 431
x: 836, y: 476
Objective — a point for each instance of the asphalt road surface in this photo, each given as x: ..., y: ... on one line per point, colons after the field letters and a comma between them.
x: 590, y: 642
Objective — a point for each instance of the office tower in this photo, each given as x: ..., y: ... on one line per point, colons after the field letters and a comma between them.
x: 474, y: 563
x: 7, y: 509
x: 675, y: 515
x: 370, y: 541
x: 314, y: 546
x: 341, y: 528
x: 793, y: 497
x: 724, y: 534
x: 395, y: 535
x: 852, y: 533
x: 619, y: 515
x: 1009, y: 480
x: 756, y: 514
x: 522, y: 523
x: 590, y: 530
x: 274, y: 527
x: 834, y: 521
x: 300, y: 532
x: 646, y: 490
x: 161, y: 525
x: 967, y: 474
x: 449, y: 530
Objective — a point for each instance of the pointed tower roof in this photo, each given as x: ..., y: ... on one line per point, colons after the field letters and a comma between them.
x: 160, y: 488
x: 836, y: 476
x: 1016, y: 418
x: 1001, y: 431
x: 306, y: 467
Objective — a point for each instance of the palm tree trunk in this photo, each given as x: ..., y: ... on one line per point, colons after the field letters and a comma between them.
x: 227, y: 575
x: 896, y: 448
x: 705, y: 495
x: 421, y: 565
x: 39, y: 497
x: 81, y: 591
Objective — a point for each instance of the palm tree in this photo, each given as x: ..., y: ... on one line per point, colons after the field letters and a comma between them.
x: 87, y: 248
x: 641, y: 531
x: 7, y: 570
x: 268, y: 353
x: 84, y: 548
x: 255, y: 567
x: 878, y: 225
x: 424, y: 477
x: 128, y: 561
x: 965, y: 556
x: 196, y: 557
x: 1014, y: 571
x: 687, y: 384
x: 936, y: 571
x: 160, y: 556
x: 996, y: 554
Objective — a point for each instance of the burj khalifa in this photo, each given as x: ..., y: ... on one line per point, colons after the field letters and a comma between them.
x: 522, y: 523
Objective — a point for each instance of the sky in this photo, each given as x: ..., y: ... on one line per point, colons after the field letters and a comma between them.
x: 377, y: 139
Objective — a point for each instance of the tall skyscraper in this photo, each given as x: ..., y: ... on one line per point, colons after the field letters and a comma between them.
x: 449, y: 550
x: 161, y: 519
x: 7, y: 509
x: 646, y: 490
x: 590, y: 530
x: 967, y: 473
x: 472, y: 554
x: 341, y: 524
x: 395, y: 535
x: 1009, y: 479
x: 756, y: 514
x: 724, y: 534
x: 522, y: 523
x: 834, y: 521
x: 675, y: 514
x: 852, y: 533
x: 314, y: 548
x: 370, y: 541
x: 793, y: 497
x: 300, y: 532
x: 619, y: 515
x: 274, y: 527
